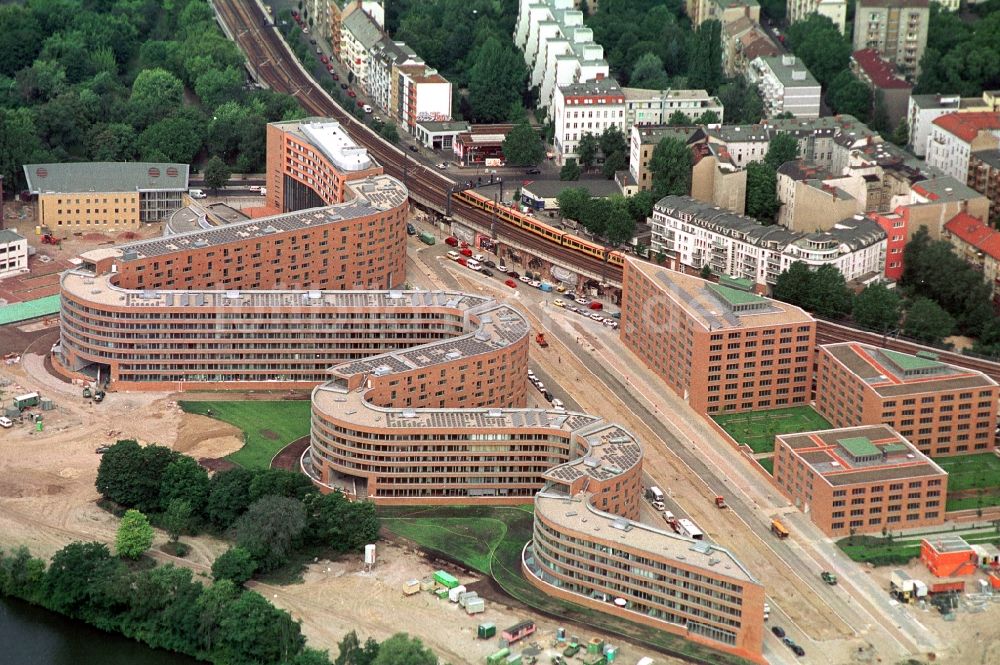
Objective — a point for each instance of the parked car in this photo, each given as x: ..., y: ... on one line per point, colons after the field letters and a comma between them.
x: 6, y: 422
x: 410, y: 229
x: 595, y: 305
x: 535, y: 283
x: 335, y: 75
x: 414, y: 148
x: 489, y: 264
x: 486, y: 271
x: 352, y: 94
x: 453, y: 255
x: 502, y: 268
x: 442, y: 165
x: 343, y: 86
x: 462, y: 262
x: 100, y: 450
x: 366, y: 108
x: 533, y: 171
x: 616, y: 315
x: 325, y: 60
x: 511, y: 283
x: 582, y: 301
x: 797, y: 650
x: 361, y: 104
x: 481, y: 258
x: 778, y: 631
x: 525, y: 279
x: 451, y: 240
x: 514, y: 274
x: 466, y: 252
x: 558, y: 303
x: 570, y: 295
x: 561, y: 288
x: 329, y: 68
x: 596, y: 317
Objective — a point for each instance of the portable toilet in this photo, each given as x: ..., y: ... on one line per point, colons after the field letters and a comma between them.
x: 486, y: 631
x: 39, y: 425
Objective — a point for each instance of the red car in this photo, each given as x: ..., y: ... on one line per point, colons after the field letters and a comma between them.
x: 336, y: 77
x: 511, y: 283
x: 325, y: 60
x: 464, y: 244
x: 465, y: 251
x: 351, y: 94
x: 463, y: 262
x: 360, y: 104
x: 451, y: 241
x: 595, y: 305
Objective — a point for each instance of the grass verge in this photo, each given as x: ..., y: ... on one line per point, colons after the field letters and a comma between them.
x: 880, y: 551
x: 268, y: 426
x: 757, y: 429
x: 971, y: 472
x: 767, y: 463
x: 490, y: 539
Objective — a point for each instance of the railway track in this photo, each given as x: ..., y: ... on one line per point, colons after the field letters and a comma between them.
x: 277, y: 66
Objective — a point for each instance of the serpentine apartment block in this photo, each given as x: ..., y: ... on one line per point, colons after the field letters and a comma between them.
x: 425, y: 402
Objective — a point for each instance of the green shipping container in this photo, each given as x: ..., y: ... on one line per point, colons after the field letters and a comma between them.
x: 427, y: 238
x: 498, y: 657
x: 445, y: 580
x: 486, y: 631
x: 441, y: 593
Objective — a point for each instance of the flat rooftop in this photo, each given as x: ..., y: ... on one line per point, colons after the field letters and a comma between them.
x: 96, y: 177
x: 370, y: 196
x: 330, y: 139
x: 611, y: 450
x: 893, y: 374
x: 947, y: 543
x: 577, y: 514
x: 718, y: 307
x: 869, y: 453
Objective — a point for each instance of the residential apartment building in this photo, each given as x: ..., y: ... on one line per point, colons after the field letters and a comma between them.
x: 723, y: 11
x: 978, y: 244
x: 360, y: 33
x: 808, y: 202
x: 955, y: 136
x: 105, y: 196
x: 716, y: 180
x: 699, y: 234
x: 384, y: 60
x: 743, y: 40
x: 897, y: 29
x: 984, y: 176
x: 310, y: 163
x: 941, y: 408
x: 585, y: 108
x: 860, y: 480
x: 889, y: 89
x: 835, y: 10
x: 13, y: 253
x: 423, y: 96
x: 785, y: 85
x: 656, y: 107
x: 642, y: 142
x: 558, y: 48
x: 720, y: 349
x: 922, y: 110
x: 896, y: 227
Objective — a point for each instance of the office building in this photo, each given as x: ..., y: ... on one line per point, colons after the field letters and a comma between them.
x: 13, y: 253
x: 721, y: 349
x: 105, y: 196
x: 941, y: 408
x: 860, y: 480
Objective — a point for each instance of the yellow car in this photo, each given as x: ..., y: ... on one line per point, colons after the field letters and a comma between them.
x: 561, y: 289
x: 558, y: 303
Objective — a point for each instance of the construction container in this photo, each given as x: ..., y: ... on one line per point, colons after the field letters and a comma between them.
x: 455, y: 592
x: 466, y: 596
x: 475, y: 606
x: 610, y: 652
x: 411, y: 587
x: 596, y: 645
x: 518, y: 631
x: 47, y: 404
x: 513, y: 659
x: 561, y: 634
x: 498, y: 657
x: 445, y: 580
x: 12, y: 412
x: 427, y: 584
x: 486, y: 631
x: 441, y: 593
x: 22, y: 402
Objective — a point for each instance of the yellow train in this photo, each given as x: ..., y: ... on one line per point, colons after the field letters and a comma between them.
x: 550, y: 233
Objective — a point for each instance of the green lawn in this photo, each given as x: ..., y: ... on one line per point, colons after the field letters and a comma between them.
x: 882, y: 552
x: 767, y: 463
x: 490, y: 539
x: 757, y: 429
x: 267, y: 426
x: 971, y: 471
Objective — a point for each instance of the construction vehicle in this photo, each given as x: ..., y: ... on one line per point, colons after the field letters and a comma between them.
x: 540, y: 338
x: 98, y: 396
x: 779, y: 529
x: 49, y: 239
x: 904, y: 588
x: 828, y: 577
x: 86, y: 392
x: 720, y: 502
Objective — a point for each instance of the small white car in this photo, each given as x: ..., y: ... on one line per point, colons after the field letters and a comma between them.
x: 366, y: 108
x: 582, y: 301
x: 540, y: 386
x: 442, y: 165
x: 596, y: 317
x: 535, y: 283
x: 453, y: 255
x: 502, y: 268
x: 6, y: 422
x: 479, y: 257
x: 526, y: 280
x: 557, y: 403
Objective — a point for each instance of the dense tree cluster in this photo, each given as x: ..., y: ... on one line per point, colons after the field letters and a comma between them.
x: 271, y: 514
x: 613, y: 218
x: 962, y: 56
x: 670, y: 168
x: 762, y: 178
x: 523, y: 146
x: 822, y: 291
x: 125, y: 80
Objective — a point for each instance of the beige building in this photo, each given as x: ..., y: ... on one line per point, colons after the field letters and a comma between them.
x: 716, y: 180
x: 742, y: 41
x: 897, y: 29
x: 642, y: 143
x: 808, y: 203
x: 105, y: 196
x: 835, y: 10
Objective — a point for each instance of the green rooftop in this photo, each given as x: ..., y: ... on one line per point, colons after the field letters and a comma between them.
x: 736, y: 297
x: 895, y: 448
x: 859, y: 446
x: 80, y: 177
x: 30, y: 309
x: 908, y: 363
x: 736, y: 283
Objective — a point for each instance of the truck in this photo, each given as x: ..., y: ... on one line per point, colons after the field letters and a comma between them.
x: 655, y: 497
x: 828, y: 577
x: 427, y: 238
x: 542, y: 342
x: 904, y: 588
x: 689, y: 529
x: 779, y: 529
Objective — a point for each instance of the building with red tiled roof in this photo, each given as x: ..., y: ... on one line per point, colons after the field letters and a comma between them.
x: 956, y: 135
x: 984, y: 175
x: 979, y: 245
x: 883, y: 78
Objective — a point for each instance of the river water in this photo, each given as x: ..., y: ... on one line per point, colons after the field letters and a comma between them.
x: 30, y: 635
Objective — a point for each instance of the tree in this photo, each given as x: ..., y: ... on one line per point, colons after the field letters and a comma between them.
x: 742, y: 101
x: 613, y: 163
x: 762, y: 192
x: 927, y: 321
x: 678, y: 119
x: 572, y: 202
x: 333, y: 521
x: 111, y: 142
x: 706, y: 271
x: 793, y: 285
x: 401, y: 649
x: 271, y: 529
x: 389, y: 133
x: 130, y: 475
x: 708, y: 118
x: 671, y: 165
x: 176, y: 139
x: 215, y: 87
x: 42, y: 81
x: 901, y: 135
x: 80, y: 580
x: 184, y: 479
x: 135, y: 535
x: 216, y: 173
x: 705, y: 57
x: 847, y: 95
x: 177, y: 518
x: 522, y: 147
x: 228, y: 497
x: 640, y: 205
x: 495, y: 80
x: 782, y: 148
x: 823, y: 50
x: 251, y: 630
x: 156, y: 93
x: 613, y: 141
x: 18, y: 143
x: 586, y: 149
x: 351, y: 652
x: 20, y: 38
x: 828, y: 293
x: 570, y: 170
x: 877, y: 308
x: 620, y: 227
x: 649, y: 73
x: 280, y: 482
x: 234, y: 564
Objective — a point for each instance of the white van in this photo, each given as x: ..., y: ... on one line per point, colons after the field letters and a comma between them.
x: 453, y: 255
x: 557, y: 403
x: 197, y: 194
x: 474, y: 264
